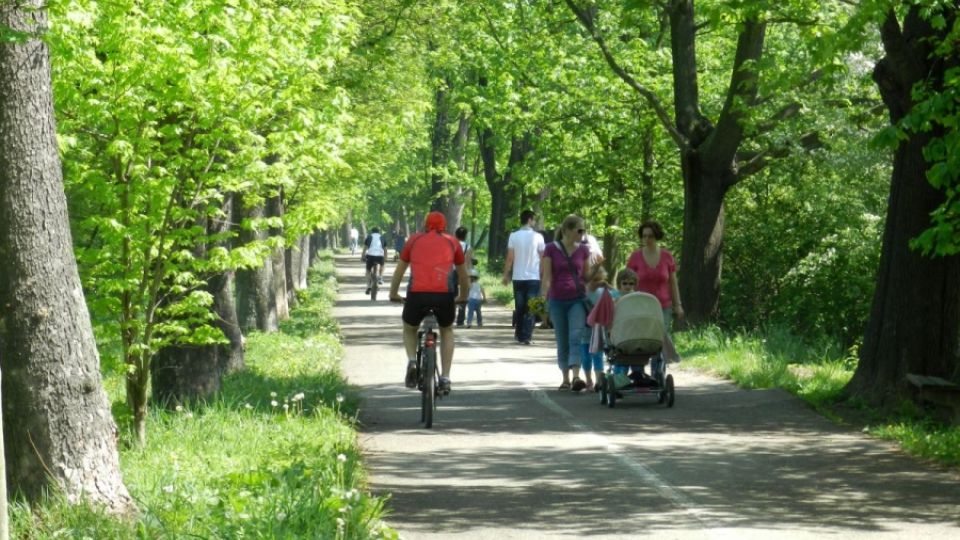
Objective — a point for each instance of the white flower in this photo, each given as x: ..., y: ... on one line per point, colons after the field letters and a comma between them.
x: 179, y: 408
x: 340, y: 398
x: 341, y: 458
x: 341, y: 523
x: 247, y: 406
x: 168, y: 489
x: 298, y: 397
x: 273, y: 394
x: 273, y: 403
x: 286, y: 406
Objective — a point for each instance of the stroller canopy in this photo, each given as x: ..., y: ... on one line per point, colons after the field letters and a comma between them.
x: 637, y: 324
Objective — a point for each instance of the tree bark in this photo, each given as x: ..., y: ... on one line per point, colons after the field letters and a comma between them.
x: 279, y: 260
x: 221, y: 287
x: 256, y: 303
x: 4, y: 525
x: 58, y: 431
x: 914, y: 323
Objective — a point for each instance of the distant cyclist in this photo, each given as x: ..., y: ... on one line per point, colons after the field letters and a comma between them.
x: 374, y: 252
x: 431, y: 255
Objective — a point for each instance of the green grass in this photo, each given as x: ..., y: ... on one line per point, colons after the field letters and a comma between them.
x: 276, y: 456
x: 817, y: 372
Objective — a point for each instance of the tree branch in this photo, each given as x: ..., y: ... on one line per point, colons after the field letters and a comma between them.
x: 586, y: 19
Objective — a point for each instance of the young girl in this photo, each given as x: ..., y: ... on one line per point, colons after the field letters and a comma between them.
x: 475, y: 298
x: 592, y: 363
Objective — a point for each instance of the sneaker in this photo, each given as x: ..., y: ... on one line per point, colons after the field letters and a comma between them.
x: 526, y: 342
x: 577, y: 385
x: 411, y: 379
x: 380, y: 281
x: 367, y: 291
x: 444, y: 385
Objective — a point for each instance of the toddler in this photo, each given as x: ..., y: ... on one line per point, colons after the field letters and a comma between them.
x: 475, y: 298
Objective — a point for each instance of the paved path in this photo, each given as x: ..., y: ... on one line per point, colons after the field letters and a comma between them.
x: 512, y: 457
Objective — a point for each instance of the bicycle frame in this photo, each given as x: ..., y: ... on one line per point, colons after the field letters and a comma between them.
x: 427, y: 369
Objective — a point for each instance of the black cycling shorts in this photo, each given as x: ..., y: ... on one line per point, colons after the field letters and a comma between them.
x: 373, y: 260
x: 417, y: 304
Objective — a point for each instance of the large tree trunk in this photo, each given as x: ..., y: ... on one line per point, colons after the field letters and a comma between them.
x: 4, y: 525
x: 256, y: 303
x: 914, y: 324
x: 58, y: 431
x: 221, y: 287
x: 185, y: 374
x: 279, y: 260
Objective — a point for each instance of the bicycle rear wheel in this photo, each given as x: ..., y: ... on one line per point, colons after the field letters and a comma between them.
x: 428, y: 372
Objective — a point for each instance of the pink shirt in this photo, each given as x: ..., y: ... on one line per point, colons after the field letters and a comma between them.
x: 654, y: 280
x: 564, y: 283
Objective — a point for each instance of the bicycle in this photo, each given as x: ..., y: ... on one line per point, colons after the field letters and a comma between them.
x: 428, y: 372
x: 373, y: 282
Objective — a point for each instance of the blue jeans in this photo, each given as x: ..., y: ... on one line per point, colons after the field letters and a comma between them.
x: 473, y: 306
x: 590, y: 361
x: 569, y: 318
x: 523, y: 291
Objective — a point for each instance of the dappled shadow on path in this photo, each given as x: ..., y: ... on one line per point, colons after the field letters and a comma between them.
x: 509, y: 452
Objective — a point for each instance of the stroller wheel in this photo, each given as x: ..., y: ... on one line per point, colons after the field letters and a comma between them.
x: 670, y: 391
x: 612, y: 396
x: 602, y: 383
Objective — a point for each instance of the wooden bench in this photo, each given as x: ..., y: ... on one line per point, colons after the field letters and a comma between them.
x: 938, y: 391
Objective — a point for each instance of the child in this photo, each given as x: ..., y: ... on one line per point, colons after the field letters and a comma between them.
x: 475, y: 298
x: 626, y: 284
x: 592, y: 363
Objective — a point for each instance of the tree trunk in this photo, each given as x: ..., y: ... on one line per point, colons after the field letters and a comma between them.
x: 914, y: 324
x: 304, y: 266
x: 185, y: 374
x: 279, y: 260
x: 256, y: 303
x: 58, y: 431
x: 221, y: 287
x: 4, y: 526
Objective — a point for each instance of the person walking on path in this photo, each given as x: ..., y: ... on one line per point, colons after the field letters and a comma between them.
x: 431, y: 255
x: 524, y: 251
x: 461, y: 234
x: 354, y: 237
x: 656, y: 274
x: 476, y: 297
x: 564, y: 268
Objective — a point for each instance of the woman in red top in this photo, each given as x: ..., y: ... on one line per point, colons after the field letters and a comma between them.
x: 656, y: 271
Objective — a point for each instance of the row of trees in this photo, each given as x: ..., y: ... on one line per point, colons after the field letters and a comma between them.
x: 199, y: 146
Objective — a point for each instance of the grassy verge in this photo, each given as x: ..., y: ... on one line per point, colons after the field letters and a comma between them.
x: 276, y: 456
x: 817, y: 373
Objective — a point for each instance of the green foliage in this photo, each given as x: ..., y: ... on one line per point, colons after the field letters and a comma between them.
x: 275, y: 456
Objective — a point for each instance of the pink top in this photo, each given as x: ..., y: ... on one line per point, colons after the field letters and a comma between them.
x: 564, y: 284
x: 654, y: 280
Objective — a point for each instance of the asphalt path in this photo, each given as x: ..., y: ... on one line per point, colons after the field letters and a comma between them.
x: 510, y: 456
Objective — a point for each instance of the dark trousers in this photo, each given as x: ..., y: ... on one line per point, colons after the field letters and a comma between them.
x: 523, y: 292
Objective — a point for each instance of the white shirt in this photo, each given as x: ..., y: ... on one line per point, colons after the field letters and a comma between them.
x: 476, y: 291
x: 527, y: 245
x: 354, y: 234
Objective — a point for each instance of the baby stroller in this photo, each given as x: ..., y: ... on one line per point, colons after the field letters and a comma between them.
x: 636, y: 339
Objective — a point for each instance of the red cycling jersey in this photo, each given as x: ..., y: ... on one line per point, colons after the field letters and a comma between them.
x: 432, y: 256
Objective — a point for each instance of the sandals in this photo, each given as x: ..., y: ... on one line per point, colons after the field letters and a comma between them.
x: 578, y: 385
x: 564, y: 386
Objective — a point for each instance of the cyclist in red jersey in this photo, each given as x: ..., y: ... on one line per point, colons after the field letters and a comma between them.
x: 431, y: 256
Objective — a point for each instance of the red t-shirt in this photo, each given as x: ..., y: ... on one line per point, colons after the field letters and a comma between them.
x: 432, y: 257
x: 655, y: 280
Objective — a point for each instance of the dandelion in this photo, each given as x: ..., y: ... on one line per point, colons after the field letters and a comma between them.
x: 247, y: 406
x: 341, y: 523
x: 286, y: 406
x: 341, y: 458
x: 298, y: 397
x: 273, y: 394
x: 340, y: 398
x: 179, y: 408
x: 188, y: 415
x: 273, y: 403
x: 168, y: 489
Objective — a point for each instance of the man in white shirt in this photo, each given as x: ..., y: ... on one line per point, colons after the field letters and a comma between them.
x: 524, y: 250
x: 354, y: 237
